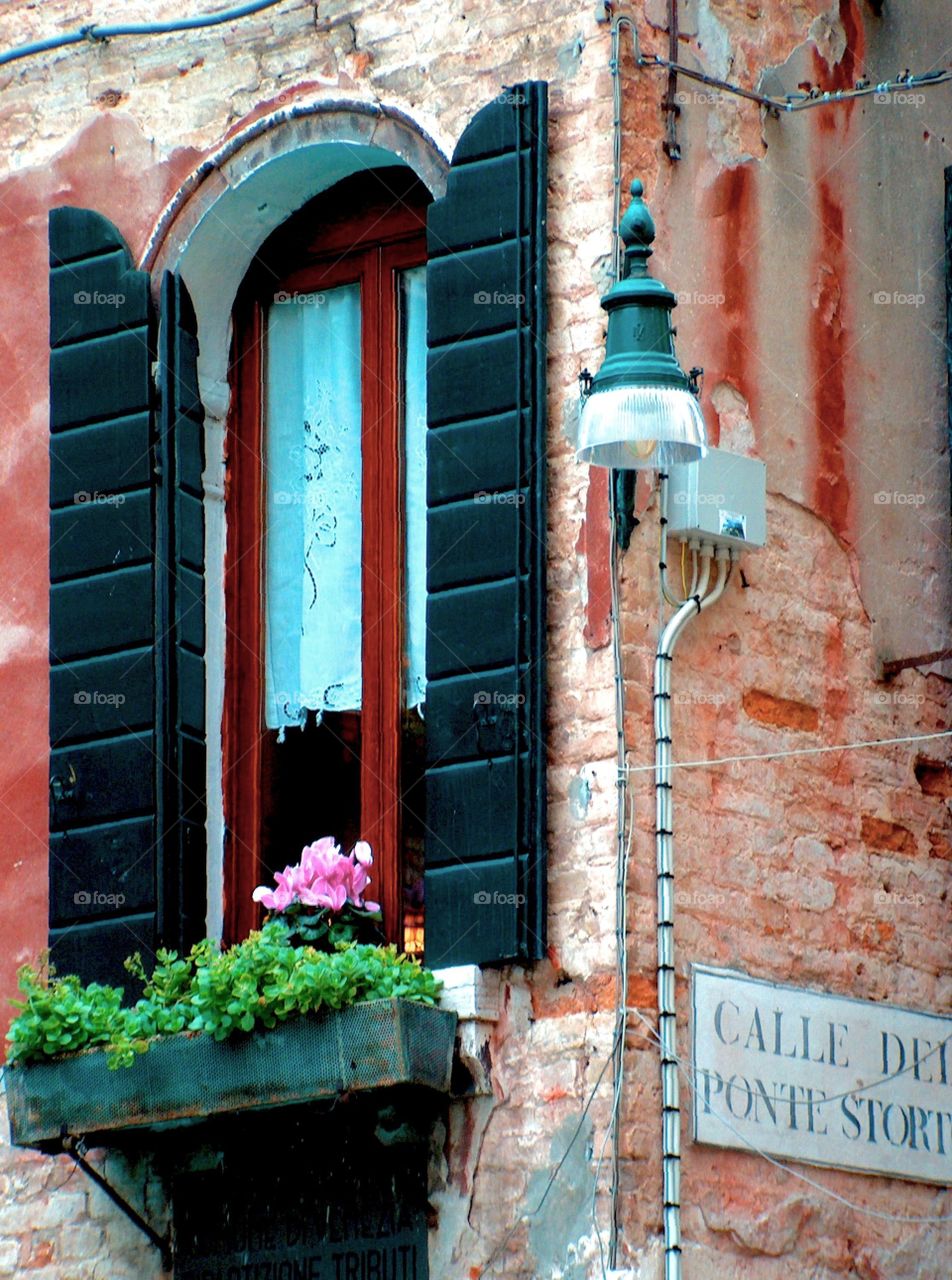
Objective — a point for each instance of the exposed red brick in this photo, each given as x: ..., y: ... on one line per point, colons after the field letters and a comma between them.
x: 934, y: 776
x: 584, y: 995
x: 939, y: 846
x: 784, y: 713
x: 877, y: 833
x: 41, y: 1253
x: 642, y: 992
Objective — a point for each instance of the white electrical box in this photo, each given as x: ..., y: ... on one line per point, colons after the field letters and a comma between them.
x: 722, y: 500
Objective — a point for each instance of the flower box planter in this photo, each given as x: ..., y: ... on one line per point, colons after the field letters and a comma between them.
x: 185, y: 1078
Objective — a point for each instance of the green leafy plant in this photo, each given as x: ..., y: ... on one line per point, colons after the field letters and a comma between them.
x: 257, y: 983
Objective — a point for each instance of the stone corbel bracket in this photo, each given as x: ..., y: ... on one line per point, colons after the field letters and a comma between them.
x: 474, y: 994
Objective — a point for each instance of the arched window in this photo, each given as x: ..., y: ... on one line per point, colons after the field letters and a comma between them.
x: 326, y: 546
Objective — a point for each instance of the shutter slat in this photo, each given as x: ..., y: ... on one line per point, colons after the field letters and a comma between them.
x: 99, y: 948
x: 474, y: 540
x: 101, y: 531
x: 449, y: 471
x: 96, y: 297
x: 485, y: 781
x: 466, y: 629
x: 482, y: 205
x: 111, y: 611
x: 113, y: 779
x: 475, y: 905
x: 473, y: 808
x: 478, y: 292
x: 119, y: 856
x: 103, y: 459
x: 102, y: 696
x: 107, y: 377
x: 473, y: 379
x: 452, y: 732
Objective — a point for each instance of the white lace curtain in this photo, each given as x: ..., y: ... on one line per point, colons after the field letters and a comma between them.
x: 312, y: 462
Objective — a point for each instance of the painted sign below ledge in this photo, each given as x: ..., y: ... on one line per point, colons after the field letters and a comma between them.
x: 821, y: 1078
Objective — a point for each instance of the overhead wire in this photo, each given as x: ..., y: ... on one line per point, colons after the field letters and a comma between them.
x: 795, y: 751
x: 94, y: 33
x: 805, y: 99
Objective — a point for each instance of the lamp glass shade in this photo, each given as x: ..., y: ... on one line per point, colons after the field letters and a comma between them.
x: 640, y: 428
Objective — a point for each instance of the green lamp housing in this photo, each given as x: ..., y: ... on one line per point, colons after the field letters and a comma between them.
x: 641, y: 412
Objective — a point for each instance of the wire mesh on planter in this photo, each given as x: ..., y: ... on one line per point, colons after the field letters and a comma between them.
x: 185, y: 1078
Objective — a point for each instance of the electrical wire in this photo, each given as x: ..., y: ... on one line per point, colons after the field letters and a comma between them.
x: 687, y: 1071
x: 795, y: 751
x: 625, y: 829
x: 614, y: 66
x: 95, y: 34
x: 802, y: 101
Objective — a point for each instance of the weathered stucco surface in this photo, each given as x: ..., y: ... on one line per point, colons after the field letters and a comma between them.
x: 828, y: 870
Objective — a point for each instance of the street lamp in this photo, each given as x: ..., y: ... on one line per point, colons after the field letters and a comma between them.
x: 640, y: 411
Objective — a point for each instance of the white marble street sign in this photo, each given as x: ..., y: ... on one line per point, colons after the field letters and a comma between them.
x: 821, y: 1078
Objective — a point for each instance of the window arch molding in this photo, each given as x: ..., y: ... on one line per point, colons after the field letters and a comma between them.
x: 209, y: 233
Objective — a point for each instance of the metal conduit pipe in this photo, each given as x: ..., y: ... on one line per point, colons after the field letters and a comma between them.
x: 664, y: 837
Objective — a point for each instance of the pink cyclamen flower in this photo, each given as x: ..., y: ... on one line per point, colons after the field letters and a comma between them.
x: 323, y: 878
x: 278, y: 899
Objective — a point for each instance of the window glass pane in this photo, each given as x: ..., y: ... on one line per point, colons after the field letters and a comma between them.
x: 312, y: 462
x: 413, y: 314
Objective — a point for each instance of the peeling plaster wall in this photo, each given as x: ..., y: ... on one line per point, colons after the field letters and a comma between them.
x: 777, y: 235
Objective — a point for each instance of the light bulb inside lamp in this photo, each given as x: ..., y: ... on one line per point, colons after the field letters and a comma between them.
x: 640, y: 428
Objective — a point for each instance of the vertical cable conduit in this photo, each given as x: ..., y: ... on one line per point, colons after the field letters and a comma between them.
x: 664, y: 837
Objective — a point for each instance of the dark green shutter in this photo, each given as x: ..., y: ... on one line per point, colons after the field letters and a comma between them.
x: 122, y: 510
x: 486, y: 304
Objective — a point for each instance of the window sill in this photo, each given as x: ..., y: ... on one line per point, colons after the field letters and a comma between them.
x: 186, y: 1078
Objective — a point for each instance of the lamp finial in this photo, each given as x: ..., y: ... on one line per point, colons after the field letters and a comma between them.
x: 637, y: 231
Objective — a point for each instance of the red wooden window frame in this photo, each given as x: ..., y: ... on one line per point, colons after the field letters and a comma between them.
x: 371, y: 249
